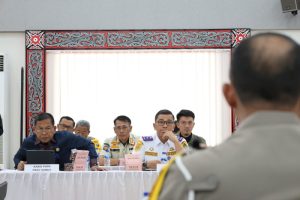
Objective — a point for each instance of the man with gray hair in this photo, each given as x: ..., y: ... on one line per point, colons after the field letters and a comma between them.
x: 83, y: 128
x: 261, y: 160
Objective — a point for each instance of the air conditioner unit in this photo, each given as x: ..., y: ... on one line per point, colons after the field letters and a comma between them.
x: 3, y: 109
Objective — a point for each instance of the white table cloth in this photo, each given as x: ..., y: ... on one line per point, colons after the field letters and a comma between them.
x: 107, y: 185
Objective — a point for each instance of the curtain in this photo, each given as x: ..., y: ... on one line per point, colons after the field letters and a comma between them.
x: 97, y: 86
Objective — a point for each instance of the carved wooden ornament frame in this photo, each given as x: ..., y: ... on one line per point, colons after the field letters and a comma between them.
x: 38, y: 41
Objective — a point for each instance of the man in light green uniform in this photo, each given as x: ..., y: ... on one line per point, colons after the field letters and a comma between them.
x: 121, y: 144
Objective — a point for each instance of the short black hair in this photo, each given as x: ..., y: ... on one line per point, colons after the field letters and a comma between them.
x: 266, y: 67
x: 163, y: 112
x: 122, y: 118
x: 185, y: 113
x: 67, y: 118
x: 43, y: 116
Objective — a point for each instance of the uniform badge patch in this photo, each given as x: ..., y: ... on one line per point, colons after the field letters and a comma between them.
x: 105, y: 147
x: 147, y: 138
x: 131, y: 141
x: 114, y: 146
x: 179, y: 138
x: 150, y: 153
x: 114, y: 142
x: 138, y: 146
x: 171, y: 153
x: 184, y: 144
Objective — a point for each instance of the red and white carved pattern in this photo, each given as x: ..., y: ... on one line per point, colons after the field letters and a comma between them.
x: 35, y: 39
x: 238, y: 35
x: 202, y: 39
x: 138, y: 39
x: 35, y: 79
x: 75, y: 39
x: 30, y: 124
x: 35, y: 97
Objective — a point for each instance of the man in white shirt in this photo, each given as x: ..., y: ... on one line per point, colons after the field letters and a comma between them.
x: 165, y: 144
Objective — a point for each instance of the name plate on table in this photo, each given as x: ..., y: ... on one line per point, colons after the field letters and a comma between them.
x: 80, y: 161
x: 41, y: 168
x: 121, y: 161
x: 133, y: 162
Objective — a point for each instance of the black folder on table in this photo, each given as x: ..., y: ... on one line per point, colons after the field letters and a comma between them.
x: 40, y: 157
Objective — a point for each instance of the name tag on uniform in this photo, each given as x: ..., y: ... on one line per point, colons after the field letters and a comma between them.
x: 171, y: 153
x: 115, y: 150
x: 150, y: 153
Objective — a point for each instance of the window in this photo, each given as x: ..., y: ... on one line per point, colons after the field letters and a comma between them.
x: 100, y: 85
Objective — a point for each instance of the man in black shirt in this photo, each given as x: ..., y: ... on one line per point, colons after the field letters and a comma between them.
x: 185, y: 123
x: 62, y: 142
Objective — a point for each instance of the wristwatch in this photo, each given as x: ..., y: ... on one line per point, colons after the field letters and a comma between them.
x: 144, y: 165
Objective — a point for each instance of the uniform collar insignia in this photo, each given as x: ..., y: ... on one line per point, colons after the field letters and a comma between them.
x: 147, y: 138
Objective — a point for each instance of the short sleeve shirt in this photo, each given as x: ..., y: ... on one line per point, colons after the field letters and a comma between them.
x: 117, y: 148
x: 151, y: 148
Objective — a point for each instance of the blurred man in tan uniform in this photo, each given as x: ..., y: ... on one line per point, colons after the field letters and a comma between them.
x: 261, y: 160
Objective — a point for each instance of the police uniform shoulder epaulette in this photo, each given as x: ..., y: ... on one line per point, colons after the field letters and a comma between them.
x: 94, y: 139
x: 138, y: 146
x: 131, y: 141
x: 147, y: 138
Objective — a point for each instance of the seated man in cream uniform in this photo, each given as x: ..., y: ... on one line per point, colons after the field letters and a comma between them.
x: 165, y: 144
x: 121, y: 144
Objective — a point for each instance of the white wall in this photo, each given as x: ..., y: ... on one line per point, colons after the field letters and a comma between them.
x: 20, y: 15
x: 13, y: 46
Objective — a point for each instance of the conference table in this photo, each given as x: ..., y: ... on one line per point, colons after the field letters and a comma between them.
x: 111, y: 185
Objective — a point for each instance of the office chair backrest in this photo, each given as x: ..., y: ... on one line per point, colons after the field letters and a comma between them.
x: 3, y: 190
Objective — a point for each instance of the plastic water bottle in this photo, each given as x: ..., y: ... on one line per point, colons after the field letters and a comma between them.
x: 87, y: 167
x: 107, y: 158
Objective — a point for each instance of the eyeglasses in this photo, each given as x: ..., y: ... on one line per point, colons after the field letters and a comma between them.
x: 40, y: 130
x: 162, y: 123
x: 63, y: 126
x: 119, y: 128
